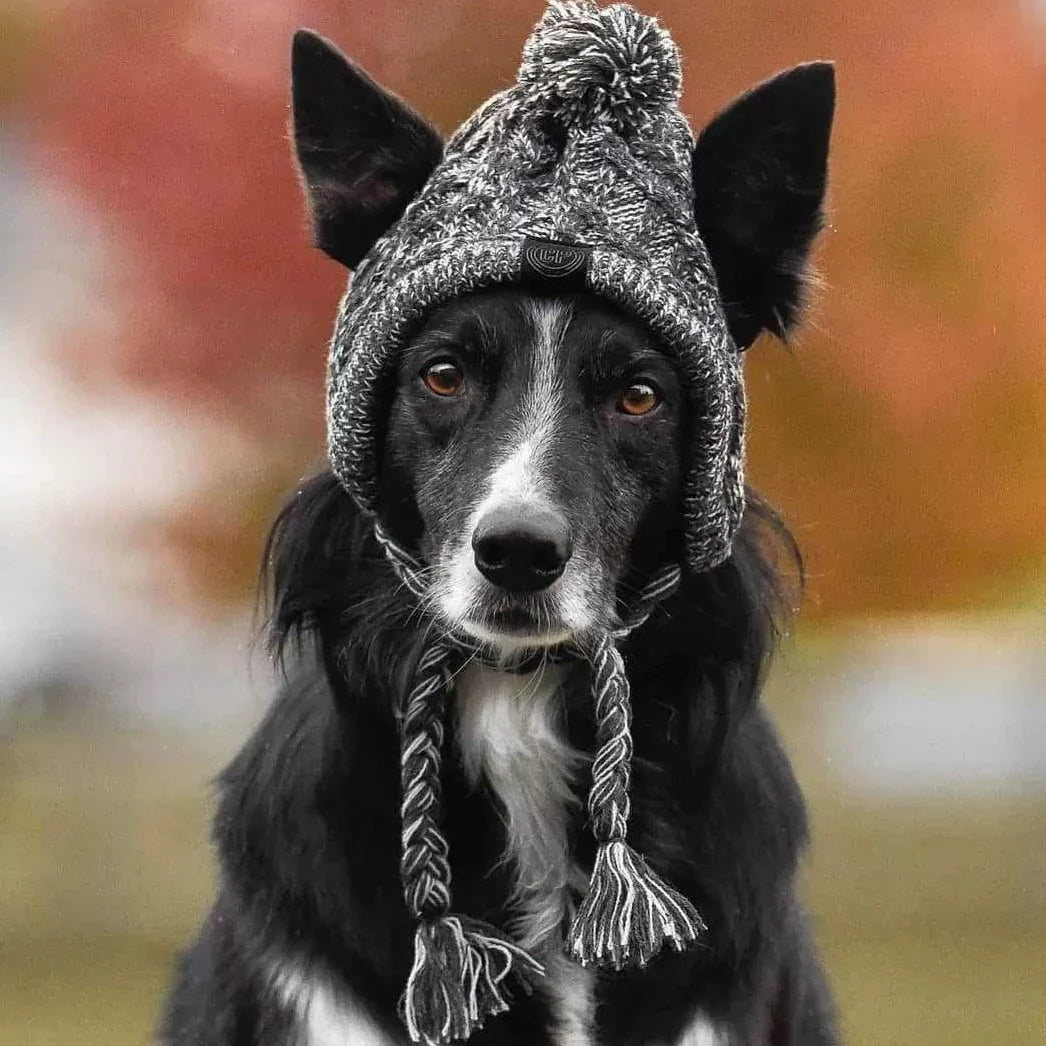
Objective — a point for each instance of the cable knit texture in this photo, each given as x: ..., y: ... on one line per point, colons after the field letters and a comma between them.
x: 588, y: 146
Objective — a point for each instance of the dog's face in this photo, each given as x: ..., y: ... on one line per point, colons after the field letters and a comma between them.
x: 534, y: 444
x: 540, y: 440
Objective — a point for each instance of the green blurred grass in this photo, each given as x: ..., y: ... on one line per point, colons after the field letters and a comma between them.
x: 932, y: 918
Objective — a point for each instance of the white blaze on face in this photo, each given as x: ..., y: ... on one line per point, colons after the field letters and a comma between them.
x: 520, y: 478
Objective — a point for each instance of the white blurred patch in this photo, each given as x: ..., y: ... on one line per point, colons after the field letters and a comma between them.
x: 941, y: 707
x: 79, y: 469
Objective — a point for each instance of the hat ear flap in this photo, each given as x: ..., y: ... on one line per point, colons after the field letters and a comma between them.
x: 760, y: 170
x: 362, y: 152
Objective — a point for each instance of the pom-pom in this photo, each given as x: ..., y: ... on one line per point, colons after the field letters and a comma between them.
x: 629, y: 914
x: 460, y: 976
x: 582, y: 62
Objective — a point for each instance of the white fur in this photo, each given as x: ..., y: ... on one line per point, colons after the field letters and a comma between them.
x: 570, y: 990
x: 702, y: 1032
x: 510, y: 732
x: 324, y: 1015
x: 517, y: 480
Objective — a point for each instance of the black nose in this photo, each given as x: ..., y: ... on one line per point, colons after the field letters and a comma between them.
x: 521, y: 548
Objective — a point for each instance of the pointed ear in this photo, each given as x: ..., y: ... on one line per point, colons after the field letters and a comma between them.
x: 759, y: 178
x: 363, y: 153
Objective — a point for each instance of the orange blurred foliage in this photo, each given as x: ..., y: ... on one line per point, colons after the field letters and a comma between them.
x: 904, y: 438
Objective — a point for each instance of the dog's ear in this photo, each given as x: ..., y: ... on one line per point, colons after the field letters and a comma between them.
x: 363, y: 153
x: 760, y: 169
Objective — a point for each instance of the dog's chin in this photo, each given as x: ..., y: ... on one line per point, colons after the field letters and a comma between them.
x: 509, y: 625
x: 497, y: 635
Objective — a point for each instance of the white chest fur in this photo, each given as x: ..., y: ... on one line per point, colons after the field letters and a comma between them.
x: 324, y: 1015
x: 510, y: 733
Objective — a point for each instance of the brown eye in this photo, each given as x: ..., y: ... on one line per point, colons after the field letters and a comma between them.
x: 638, y: 399
x: 443, y: 378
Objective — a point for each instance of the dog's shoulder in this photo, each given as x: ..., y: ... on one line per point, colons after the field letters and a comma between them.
x: 286, y: 749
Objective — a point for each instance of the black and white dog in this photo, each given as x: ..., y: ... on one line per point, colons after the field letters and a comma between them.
x: 534, y: 448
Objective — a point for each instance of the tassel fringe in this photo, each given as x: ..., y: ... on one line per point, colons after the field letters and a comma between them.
x: 461, y: 975
x: 629, y: 914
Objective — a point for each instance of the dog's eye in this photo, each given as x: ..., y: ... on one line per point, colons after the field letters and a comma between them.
x: 443, y: 377
x: 638, y: 399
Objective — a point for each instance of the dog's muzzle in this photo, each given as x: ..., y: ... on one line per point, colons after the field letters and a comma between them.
x: 522, y: 548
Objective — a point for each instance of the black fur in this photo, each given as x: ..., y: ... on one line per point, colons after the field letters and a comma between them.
x: 308, y: 829
x: 759, y: 179
x: 362, y: 152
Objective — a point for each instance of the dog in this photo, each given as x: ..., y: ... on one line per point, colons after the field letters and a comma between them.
x: 534, y: 454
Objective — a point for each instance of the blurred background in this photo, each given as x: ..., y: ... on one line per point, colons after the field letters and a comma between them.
x: 163, y: 332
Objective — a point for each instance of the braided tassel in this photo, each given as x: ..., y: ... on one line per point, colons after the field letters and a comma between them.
x: 462, y: 967
x: 629, y: 913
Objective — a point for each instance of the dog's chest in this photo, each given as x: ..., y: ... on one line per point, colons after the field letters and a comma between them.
x: 510, y: 734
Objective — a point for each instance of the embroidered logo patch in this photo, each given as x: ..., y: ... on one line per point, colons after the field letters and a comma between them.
x: 552, y: 261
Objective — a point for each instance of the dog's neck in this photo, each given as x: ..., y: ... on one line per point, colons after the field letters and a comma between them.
x: 511, y: 736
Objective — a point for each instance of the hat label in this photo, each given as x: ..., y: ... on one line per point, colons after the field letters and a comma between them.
x: 552, y: 261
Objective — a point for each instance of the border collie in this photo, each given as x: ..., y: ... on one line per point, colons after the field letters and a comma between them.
x: 559, y: 411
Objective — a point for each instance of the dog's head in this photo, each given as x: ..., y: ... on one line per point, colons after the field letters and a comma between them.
x: 537, y: 436
x: 534, y: 445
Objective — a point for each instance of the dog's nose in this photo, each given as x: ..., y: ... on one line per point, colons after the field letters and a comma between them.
x: 521, y: 548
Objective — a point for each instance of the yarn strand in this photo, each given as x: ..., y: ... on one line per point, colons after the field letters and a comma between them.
x: 462, y: 968
x: 629, y: 913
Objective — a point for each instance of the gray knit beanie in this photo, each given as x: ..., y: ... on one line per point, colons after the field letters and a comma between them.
x: 578, y: 176
x: 588, y: 150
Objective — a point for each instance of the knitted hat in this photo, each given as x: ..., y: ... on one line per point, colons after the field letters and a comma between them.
x: 577, y: 176
x: 578, y: 173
